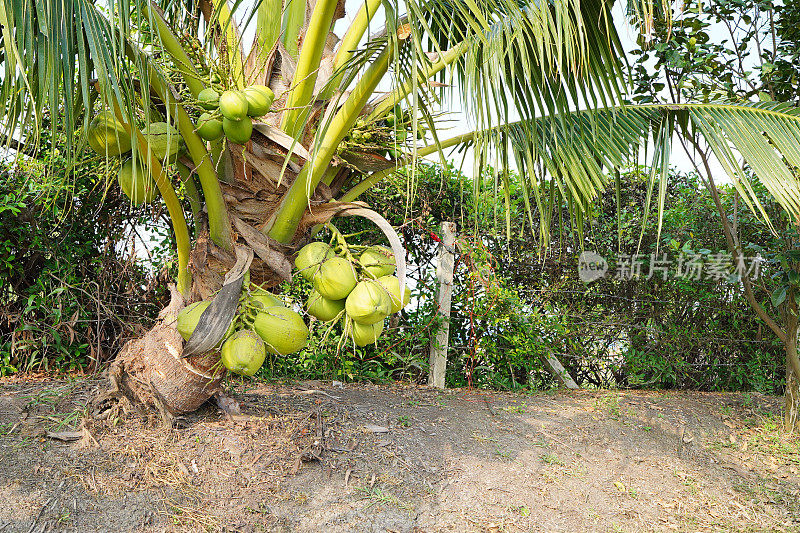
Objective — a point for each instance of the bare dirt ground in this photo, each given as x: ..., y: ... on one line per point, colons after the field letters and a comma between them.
x: 326, y: 457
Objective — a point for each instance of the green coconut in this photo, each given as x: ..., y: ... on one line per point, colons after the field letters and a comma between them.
x: 378, y: 261
x: 310, y: 257
x: 238, y: 131
x: 209, y: 128
x: 368, y: 303
x: 335, y: 278
x: 259, y: 99
x: 189, y: 316
x: 392, y: 286
x: 366, y: 334
x: 243, y: 353
x: 107, y: 136
x: 208, y: 99
x: 264, y: 298
x: 164, y: 140
x: 233, y: 105
x: 282, y: 329
x: 137, y: 183
x: 322, y: 308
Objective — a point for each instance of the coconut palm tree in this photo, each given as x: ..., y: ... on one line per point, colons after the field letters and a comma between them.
x: 542, y: 81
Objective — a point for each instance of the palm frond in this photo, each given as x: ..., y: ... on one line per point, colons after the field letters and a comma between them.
x: 55, y: 53
x: 523, y: 59
x: 577, y: 153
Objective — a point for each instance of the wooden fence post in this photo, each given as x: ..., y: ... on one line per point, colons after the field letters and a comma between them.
x: 444, y: 276
x: 559, y: 372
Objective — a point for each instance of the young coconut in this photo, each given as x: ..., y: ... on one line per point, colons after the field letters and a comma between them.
x: 244, y: 352
x: 209, y: 128
x: 322, y: 308
x: 164, y: 140
x: 189, y: 316
x: 365, y: 334
x: 264, y: 298
x: 378, y: 261
x: 233, y: 105
x: 282, y: 329
x: 259, y: 99
x: 368, y: 303
x: 107, y: 136
x: 238, y: 131
x: 335, y: 278
x: 392, y: 286
x: 208, y: 99
x: 310, y: 257
x: 137, y: 183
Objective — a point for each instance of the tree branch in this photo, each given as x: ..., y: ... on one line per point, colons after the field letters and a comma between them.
x: 732, y: 240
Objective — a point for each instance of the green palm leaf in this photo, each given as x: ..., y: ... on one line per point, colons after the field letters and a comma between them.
x: 578, y: 152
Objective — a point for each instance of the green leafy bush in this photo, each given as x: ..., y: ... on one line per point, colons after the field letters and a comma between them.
x: 67, y: 297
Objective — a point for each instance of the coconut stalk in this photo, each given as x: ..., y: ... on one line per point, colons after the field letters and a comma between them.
x: 302, y: 91
x: 231, y: 41
x: 182, y: 241
x: 287, y: 217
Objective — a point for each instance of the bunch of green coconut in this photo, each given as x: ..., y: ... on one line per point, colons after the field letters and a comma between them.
x: 356, y: 285
x: 108, y: 137
x: 263, y: 324
x: 358, y: 288
x: 231, y: 113
x: 387, y: 136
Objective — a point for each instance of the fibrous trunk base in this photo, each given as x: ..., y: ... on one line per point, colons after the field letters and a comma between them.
x: 150, y: 370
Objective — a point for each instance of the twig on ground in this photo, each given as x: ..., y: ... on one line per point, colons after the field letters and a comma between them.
x: 315, y: 391
x: 46, y: 505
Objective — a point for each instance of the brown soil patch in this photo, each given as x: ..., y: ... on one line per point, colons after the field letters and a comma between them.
x: 330, y: 457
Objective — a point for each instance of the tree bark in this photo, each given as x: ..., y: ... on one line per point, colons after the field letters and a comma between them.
x: 791, y: 395
x: 791, y: 398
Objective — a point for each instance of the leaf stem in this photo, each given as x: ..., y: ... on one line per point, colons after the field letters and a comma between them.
x: 375, y: 177
x: 218, y: 221
x: 305, y: 76
x: 232, y: 40
x: 173, y: 48
x: 404, y: 90
x: 349, y: 43
x: 182, y: 242
x: 287, y: 218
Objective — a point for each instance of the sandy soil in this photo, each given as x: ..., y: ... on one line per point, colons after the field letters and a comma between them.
x: 326, y: 457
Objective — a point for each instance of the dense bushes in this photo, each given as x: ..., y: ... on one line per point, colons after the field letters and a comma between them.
x: 512, y: 305
x: 67, y: 297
